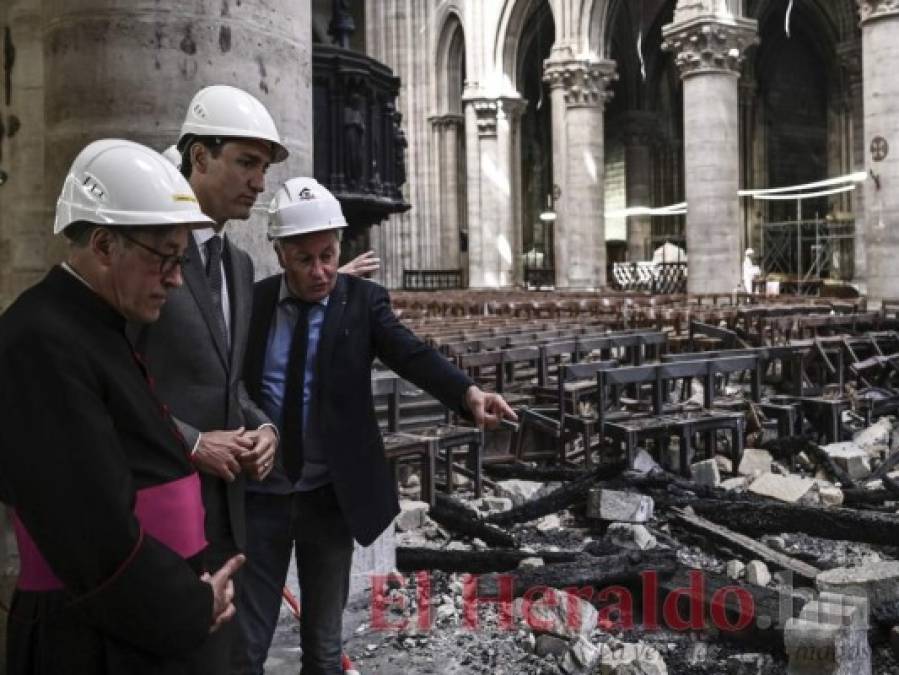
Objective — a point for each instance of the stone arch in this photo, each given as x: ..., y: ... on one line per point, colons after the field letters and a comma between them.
x: 808, y: 111
x: 450, y: 63
x: 513, y: 20
x: 837, y: 18
x: 448, y: 138
x: 598, y: 20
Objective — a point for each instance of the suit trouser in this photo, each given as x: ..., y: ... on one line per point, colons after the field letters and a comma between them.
x: 312, y: 525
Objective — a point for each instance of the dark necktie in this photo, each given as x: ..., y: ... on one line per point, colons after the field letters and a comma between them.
x: 292, y: 409
x: 214, y: 276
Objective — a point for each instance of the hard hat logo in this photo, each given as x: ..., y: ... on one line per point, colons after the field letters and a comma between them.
x: 93, y: 187
x: 313, y: 209
x: 125, y: 184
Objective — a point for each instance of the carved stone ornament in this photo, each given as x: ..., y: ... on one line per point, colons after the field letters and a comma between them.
x: 448, y: 120
x: 586, y: 83
x: 708, y: 44
x: 489, y: 110
x: 870, y: 10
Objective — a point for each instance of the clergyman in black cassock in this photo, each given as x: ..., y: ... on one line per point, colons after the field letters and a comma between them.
x: 81, y: 434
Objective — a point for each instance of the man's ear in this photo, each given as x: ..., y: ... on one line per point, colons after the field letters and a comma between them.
x: 102, y: 242
x: 278, y: 252
x: 199, y: 157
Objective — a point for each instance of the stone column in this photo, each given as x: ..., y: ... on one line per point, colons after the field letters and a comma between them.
x: 640, y: 129
x: 130, y: 69
x: 880, y: 53
x: 850, y: 58
x: 27, y: 217
x: 448, y: 129
x: 579, y: 89
x: 492, y: 248
x: 708, y: 49
x: 25, y: 220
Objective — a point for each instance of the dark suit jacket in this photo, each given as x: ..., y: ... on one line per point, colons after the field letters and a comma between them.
x: 198, y: 376
x: 358, y: 326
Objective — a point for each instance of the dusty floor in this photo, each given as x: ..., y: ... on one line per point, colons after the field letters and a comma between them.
x: 448, y: 645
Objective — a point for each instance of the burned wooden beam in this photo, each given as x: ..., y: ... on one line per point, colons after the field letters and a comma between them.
x: 770, y: 517
x: 747, y: 544
x: 863, y: 497
x: 535, y: 473
x: 891, y: 486
x: 558, y: 499
x: 758, y: 622
x: 592, y: 572
x: 663, y: 481
x: 888, y: 465
x: 458, y: 518
x: 413, y: 559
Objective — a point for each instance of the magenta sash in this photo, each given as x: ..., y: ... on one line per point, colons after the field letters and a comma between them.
x: 171, y: 512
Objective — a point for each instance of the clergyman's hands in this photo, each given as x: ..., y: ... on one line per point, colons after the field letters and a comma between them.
x: 362, y: 265
x: 223, y: 591
x: 487, y: 408
x: 217, y: 452
x: 259, y: 460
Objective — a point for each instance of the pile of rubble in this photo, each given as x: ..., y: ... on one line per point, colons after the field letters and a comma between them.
x: 786, y: 563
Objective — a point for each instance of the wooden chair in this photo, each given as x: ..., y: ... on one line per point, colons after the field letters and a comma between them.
x: 402, y: 447
x: 563, y: 421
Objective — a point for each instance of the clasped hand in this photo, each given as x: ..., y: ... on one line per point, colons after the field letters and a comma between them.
x: 227, y: 453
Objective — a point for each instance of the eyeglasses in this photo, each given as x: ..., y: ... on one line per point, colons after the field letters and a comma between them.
x: 168, y: 262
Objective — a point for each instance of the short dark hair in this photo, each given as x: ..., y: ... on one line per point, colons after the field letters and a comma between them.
x: 79, y: 233
x: 212, y: 143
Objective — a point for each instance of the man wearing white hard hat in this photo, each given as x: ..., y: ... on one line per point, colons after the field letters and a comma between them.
x: 107, y: 508
x: 750, y: 270
x: 227, y: 142
x: 313, y: 337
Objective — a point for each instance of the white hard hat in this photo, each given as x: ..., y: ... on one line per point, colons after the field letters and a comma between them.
x: 171, y: 153
x: 116, y: 182
x: 303, y: 205
x: 749, y: 251
x: 229, y: 112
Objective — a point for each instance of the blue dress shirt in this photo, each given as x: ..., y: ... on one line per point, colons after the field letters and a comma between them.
x: 274, y: 378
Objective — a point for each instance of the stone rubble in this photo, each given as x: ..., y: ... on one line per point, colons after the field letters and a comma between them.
x: 706, y: 473
x: 825, y: 635
x: 616, y: 506
x: 755, y: 462
x: 851, y: 458
x: 788, y: 489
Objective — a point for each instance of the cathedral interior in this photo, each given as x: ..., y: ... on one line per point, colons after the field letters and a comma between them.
x: 502, y: 144
x: 699, y: 169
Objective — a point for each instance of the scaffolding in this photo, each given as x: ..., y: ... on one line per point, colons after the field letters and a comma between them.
x: 809, y: 251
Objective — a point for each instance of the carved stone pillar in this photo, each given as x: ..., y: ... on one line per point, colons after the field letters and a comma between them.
x: 448, y: 133
x: 579, y: 90
x: 850, y: 56
x: 880, y: 49
x: 493, y: 243
x: 640, y: 130
x: 708, y: 49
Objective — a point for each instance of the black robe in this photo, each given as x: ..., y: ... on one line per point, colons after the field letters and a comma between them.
x: 81, y: 433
